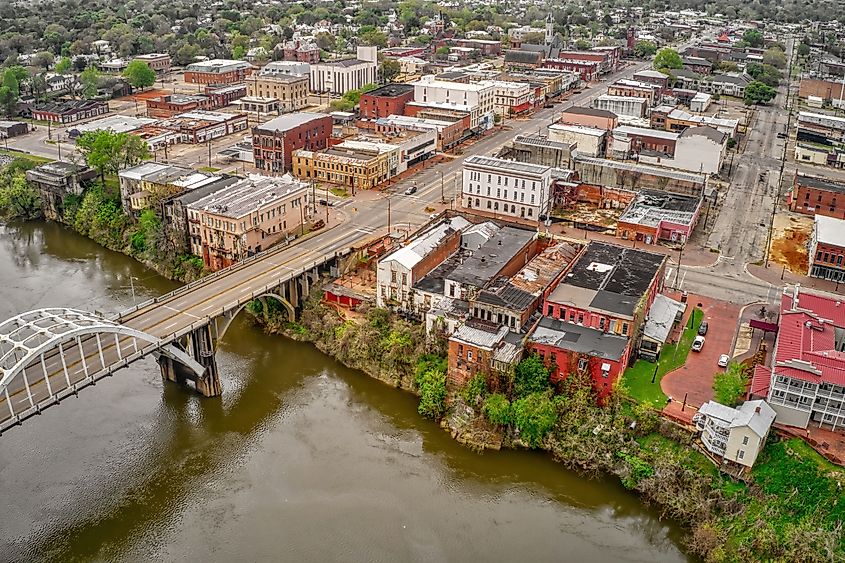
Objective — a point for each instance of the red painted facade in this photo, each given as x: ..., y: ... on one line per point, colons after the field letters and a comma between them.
x: 385, y: 101
x: 563, y: 362
x: 811, y: 198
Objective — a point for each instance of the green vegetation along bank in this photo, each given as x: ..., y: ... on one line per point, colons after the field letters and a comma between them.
x: 790, y: 509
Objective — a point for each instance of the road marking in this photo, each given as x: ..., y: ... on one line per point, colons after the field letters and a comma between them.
x: 181, y: 312
x: 171, y: 325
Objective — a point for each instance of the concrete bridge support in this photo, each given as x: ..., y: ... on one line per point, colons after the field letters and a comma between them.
x: 199, y: 344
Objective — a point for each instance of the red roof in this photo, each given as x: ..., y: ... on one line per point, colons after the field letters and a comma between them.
x: 806, y: 344
x: 760, y: 381
x: 724, y: 38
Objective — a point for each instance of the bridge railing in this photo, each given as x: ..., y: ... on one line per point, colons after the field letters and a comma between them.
x: 244, y: 300
x: 206, y: 279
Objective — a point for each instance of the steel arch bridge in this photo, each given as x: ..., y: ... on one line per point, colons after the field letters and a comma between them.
x: 48, y: 354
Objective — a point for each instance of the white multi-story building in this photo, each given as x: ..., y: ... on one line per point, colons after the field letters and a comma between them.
x: 622, y: 105
x: 510, y: 98
x: 339, y: 77
x: 735, y: 434
x: 589, y: 141
x: 479, y: 97
x: 505, y: 187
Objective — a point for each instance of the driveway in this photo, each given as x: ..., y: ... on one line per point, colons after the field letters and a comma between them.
x: 695, y: 378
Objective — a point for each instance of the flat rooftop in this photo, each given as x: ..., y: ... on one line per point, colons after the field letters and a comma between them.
x: 291, y: 120
x: 819, y: 183
x: 391, y: 90
x: 250, y: 194
x: 506, y: 165
x: 830, y: 230
x: 608, y: 278
x: 486, y: 262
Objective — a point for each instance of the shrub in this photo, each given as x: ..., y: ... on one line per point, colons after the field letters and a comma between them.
x: 432, y: 386
x: 475, y: 390
x: 530, y: 376
x: 497, y: 409
x: 729, y: 386
x: 534, y: 416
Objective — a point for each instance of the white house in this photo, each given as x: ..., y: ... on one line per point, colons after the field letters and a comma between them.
x: 622, y: 105
x: 505, y: 187
x: 735, y: 434
x: 589, y: 141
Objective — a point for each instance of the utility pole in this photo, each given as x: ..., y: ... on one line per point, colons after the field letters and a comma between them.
x: 442, y: 192
x: 59, y: 145
x: 327, y: 205
x: 301, y: 219
x: 209, y: 152
x: 678, y: 270
x: 388, y: 216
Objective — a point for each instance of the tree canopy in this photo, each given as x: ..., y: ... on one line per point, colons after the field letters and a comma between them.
x: 139, y: 74
x: 109, y: 152
x: 667, y: 58
x: 758, y: 93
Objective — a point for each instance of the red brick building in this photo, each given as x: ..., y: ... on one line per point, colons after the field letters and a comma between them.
x: 224, y: 94
x: 817, y: 196
x: 390, y: 99
x: 827, y: 249
x: 217, y: 71
x: 482, y: 348
x: 69, y: 112
x: 274, y: 141
x: 164, y: 107
x: 159, y: 62
x: 587, y: 70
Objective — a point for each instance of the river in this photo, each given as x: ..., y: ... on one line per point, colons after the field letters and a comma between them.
x: 301, y: 459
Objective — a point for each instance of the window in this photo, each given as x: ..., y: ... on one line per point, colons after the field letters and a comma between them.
x: 741, y: 454
x: 469, y: 355
x: 404, y: 278
x: 601, y: 323
x: 745, y: 440
x: 580, y: 318
x: 550, y: 309
x: 624, y: 329
x: 393, y: 276
x: 582, y: 364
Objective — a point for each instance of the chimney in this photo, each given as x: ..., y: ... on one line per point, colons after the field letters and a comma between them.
x: 757, y: 410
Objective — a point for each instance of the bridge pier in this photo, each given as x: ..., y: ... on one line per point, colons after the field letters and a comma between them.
x: 201, y: 347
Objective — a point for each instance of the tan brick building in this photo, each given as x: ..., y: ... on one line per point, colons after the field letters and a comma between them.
x: 291, y: 91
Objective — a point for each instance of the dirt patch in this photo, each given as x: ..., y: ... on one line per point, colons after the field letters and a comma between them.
x: 790, y: 237
x: 145, y: 95
x: 590, y: 214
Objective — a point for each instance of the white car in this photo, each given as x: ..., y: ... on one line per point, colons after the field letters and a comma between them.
x: 723, y: 360
x: 698, y: 344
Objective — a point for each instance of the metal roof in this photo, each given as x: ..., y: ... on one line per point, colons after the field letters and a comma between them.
x: 506, y: 165
x: 830, y: 230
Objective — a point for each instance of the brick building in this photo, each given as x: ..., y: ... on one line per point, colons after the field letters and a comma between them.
x: 69, y: 112
x: 173, y: 104
x: 217, y: 71
x: 387, y: 100
x: 274, y: 142
x: 222, y: 95
x: 587, y: 70
x: 481, y: 348
x: 159, y: 62
x: 289, y: 90
x: 589, y: 117
x: 813, y: 195
x: 200, y: 126
x: 655, y: 215
x: 827, y: 249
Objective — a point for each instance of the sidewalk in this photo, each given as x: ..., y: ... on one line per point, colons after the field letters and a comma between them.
x: 777, y: 275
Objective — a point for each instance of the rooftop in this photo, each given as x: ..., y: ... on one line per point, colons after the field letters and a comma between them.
x: 648, y: 73
x: 652, y: 207
x: 642, y: 169
x: 608, y: 278
x: 217, y: 65
x: 506, y: 165
x: 577, y: 110
x: 830, y: 230
x: 429, y: 81
x: 579, y: 339
x: 480, y: 335
x: 757, y: 415
x: 819, y: 183
x: 419, y: 247
x: 344, y: 63
x: 661, y: 317
x: 113, y: 123
x: 704, y: 131
x: 145, y: 169
x: 581, y: 130
x: 645, y: 132
x: 250, y: 194
x: 290, y: 121
x: 391, y: 90
x: 487, y: 262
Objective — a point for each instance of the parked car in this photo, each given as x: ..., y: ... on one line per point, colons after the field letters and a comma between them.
x: 702, y: 328
x: 723, y: 360
x: 698, y: 344
x: 326, y: 202
x: 411, y: 190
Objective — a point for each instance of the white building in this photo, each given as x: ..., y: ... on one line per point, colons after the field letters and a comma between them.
x: 505, y: 187
x: 589, y: 141
x: 478, y: 96
x: 622, y: 105
x: 511, y: 98
x: 401, y: 269
x: 292, y: 68
x: 339, y: 77
x: 700, y: 102
x: 735, y: 434
x: 697, y: 149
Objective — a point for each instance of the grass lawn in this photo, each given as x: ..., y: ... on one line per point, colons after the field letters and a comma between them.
x: 803, y: 450
x: 637, y: 378
x: 32, y: 157
x: 339, y: 192
x: 209, y: 169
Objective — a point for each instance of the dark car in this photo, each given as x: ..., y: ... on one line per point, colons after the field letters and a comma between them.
x: 702, y: 328
x: 325, y: 202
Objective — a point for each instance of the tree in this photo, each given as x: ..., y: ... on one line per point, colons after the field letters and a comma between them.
x: 753, y: 38
x: 530, y: 376
x: 765, y: 73
x: 534, y: 38
x: 442, y: 52
x: 774, y: 57
x: 19, y: 199
x: 667, y: 58
x: 325, y: 41
x: 8, y: 101
x: 238, y: 52
x: 758, y: 93
x: 534, y: 416
x: 139, y: 74
x: 375, y: 37
x: 803, y: 50
x: 645, y: 49
x: 108, y: 152
x: 729, y: 386
x: 430, y: 379
x: 497, y: 409
x: 583, y: 45
x: 89, y: 80
x: 63, y: 66
x: 390, y: 69
x: 43, y: 59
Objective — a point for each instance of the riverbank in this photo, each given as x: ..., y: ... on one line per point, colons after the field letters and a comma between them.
x: 791, y: 508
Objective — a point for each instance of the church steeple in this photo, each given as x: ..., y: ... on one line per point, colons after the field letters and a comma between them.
x: 550, y: 29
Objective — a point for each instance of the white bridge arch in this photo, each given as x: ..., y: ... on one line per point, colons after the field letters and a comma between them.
x: 47, y: 354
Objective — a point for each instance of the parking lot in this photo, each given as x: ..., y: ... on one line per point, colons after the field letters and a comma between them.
x: 695, y: 378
